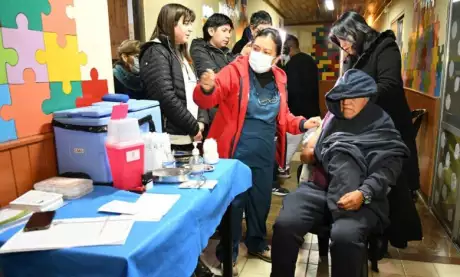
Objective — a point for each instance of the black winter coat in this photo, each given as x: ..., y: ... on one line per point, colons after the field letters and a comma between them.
x: 205, y: 56
x: 163, y: 80
x: 381, y: 59
x: 303, y: 85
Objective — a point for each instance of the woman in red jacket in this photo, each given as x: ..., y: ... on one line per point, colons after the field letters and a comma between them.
x: 252, y: 98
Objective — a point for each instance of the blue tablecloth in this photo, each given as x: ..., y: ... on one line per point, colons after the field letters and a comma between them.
x: 165, y: 249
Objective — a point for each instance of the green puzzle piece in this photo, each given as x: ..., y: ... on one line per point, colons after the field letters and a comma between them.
x: 7, y: 56
x: 32, y: 9
x: 59, y: 100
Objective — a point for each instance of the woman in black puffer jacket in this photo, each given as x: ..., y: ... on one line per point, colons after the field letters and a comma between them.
x: 168, y: 77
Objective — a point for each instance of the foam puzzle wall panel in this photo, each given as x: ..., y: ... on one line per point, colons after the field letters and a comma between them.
x: 326, y: 55
x: 63, y: 63
x: 25, y: 107
x: 53, y: 55
x: 26, y: 43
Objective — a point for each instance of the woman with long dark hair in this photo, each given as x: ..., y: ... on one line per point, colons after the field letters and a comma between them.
x: 378, y: 55
x: 168, y: 77
x: 252, y: 98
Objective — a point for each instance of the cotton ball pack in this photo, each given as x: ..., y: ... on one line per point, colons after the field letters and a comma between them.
x: 210, y: 154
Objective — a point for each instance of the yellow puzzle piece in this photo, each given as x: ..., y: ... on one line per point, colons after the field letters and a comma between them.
x: 63, y: 63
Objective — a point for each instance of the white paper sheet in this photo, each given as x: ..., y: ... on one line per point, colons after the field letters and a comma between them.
x: 119, y: 207
x: 152, y: 207
x: 74, y: 232
x: 210, y: 184
x: 149, y: 206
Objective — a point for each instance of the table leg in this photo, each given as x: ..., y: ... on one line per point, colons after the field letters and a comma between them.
x: 227, y: 242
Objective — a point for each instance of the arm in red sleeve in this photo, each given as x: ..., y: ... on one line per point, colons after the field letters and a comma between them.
x: 223, y: 86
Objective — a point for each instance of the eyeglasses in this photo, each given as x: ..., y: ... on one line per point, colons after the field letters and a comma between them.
x: 265, y: 102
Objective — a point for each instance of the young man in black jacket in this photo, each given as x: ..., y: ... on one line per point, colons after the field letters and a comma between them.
x: 259, y: 21
x: 211, y: 52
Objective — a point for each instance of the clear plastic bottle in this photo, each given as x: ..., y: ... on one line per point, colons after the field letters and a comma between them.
x: 196, y: 163
x: 170, y: 161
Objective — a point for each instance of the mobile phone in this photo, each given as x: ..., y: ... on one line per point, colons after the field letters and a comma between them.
x: 39, y: 221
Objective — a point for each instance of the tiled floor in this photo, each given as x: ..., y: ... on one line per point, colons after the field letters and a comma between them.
x: 434, y: 256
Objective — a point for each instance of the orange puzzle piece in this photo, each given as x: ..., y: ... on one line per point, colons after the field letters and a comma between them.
x: 58, y: 22
x: 26, y: 106
x: 92, y: 90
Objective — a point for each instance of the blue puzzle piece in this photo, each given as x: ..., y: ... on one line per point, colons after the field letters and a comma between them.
x: 33, y: 10
x: 7, y: 128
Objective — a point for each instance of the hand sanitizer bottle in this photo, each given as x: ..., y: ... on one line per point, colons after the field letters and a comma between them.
x: 196, y: 162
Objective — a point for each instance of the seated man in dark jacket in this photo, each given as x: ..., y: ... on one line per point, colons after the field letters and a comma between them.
x: 360, y: 154
x: 211, y: 52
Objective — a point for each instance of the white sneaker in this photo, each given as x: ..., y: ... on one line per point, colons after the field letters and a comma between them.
x: 215, y: 268
x: 234, y: 269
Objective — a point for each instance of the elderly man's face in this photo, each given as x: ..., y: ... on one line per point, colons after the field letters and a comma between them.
x: 351, y: 107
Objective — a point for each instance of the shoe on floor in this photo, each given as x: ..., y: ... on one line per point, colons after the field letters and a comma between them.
x: 216, y: 269
x: 212, y: 265
x: 235, y: 271
x: 202, y: 270
x: 280, y: 191
x: 265, y: 255
x: 284, y: 173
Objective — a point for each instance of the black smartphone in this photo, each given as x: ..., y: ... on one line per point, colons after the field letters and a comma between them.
x: 39, y: 221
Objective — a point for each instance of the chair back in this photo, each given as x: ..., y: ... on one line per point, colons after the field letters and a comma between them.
x: 417, y: 117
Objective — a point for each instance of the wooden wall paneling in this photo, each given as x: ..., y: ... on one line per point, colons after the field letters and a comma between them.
x: 306, y: 12
x: 7, y: 182
x: 22, y: 170
x: 119, y: 25
x: 427, y: 136
x: 324, y: 87
x: 24, y: 162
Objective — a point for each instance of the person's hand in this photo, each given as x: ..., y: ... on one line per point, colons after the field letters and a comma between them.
x: 246, y: 49
x: 201, y: 125
x: 351, y: 201
x: 207, y: 80
x: 198, y: 137
x: 312, y: 122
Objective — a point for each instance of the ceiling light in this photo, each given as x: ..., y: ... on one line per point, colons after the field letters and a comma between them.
x: 330, y: 5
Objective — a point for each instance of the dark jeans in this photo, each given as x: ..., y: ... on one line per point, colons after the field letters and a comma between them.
x: 304, y: 211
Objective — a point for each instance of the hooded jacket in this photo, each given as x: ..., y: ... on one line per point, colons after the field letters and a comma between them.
x: 205, y: 56
x: 381, y: 59
x: 163, y: 80
x: 405, y: 222
x: 365, y: 152
x: 231, y: 93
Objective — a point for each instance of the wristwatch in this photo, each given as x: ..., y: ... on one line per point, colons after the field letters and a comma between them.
x: 367, y: 199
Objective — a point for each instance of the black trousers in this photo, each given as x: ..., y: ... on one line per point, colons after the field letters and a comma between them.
x: 275, y: 182
x: 304, y: 211
x: 256, y: 203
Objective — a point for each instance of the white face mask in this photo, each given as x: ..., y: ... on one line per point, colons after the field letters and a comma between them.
x: 286, y: 58
x: 135, y: 67
x: 260, y: 62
